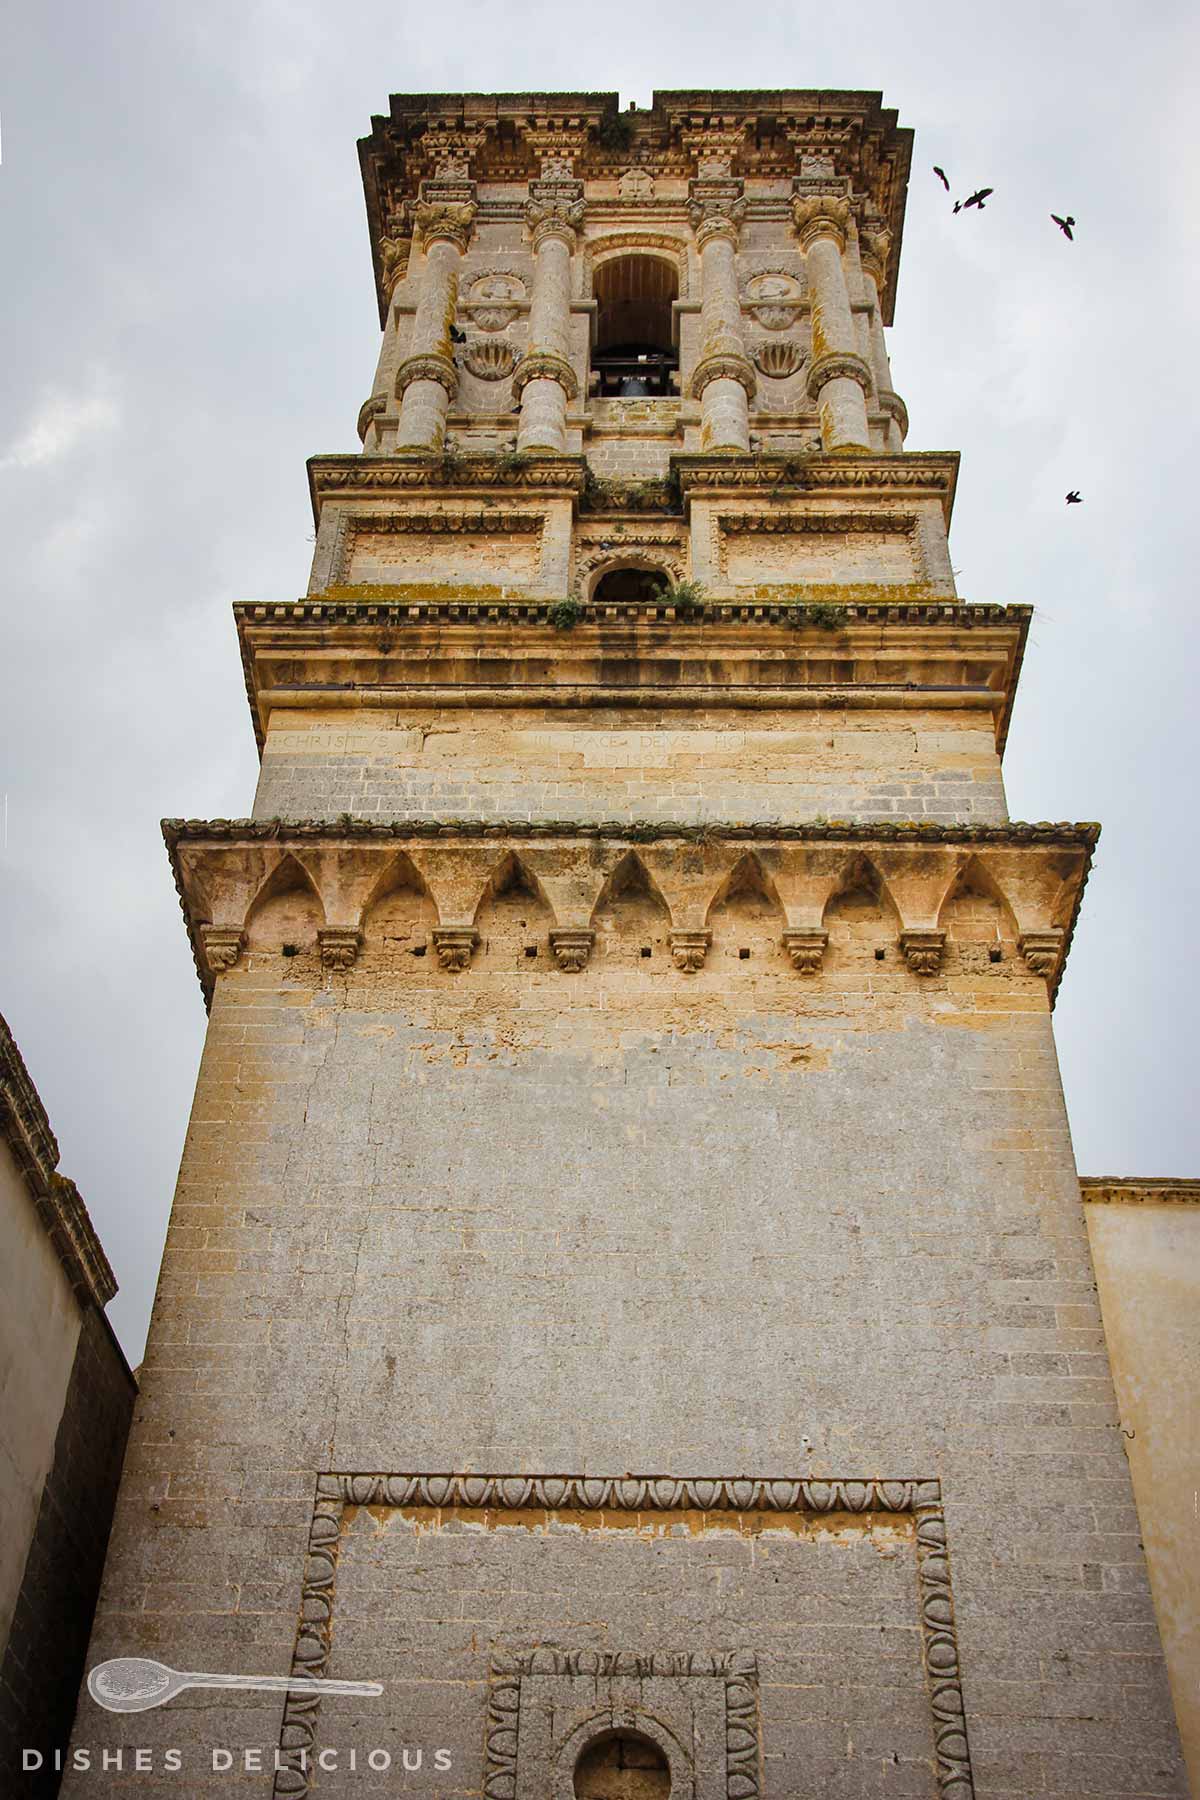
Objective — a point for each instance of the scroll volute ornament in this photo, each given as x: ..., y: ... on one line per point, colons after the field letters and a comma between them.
x: 553, y: 218
x: 449, y: 220
x: 821, y: 215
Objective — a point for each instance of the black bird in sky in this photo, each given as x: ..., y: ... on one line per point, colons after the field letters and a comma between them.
x: 958, y: 206
x: 978, y: 197
x: 457, y: 336
x: 1064, y: 225
x: 1074, y: 498
x: 941, y: 175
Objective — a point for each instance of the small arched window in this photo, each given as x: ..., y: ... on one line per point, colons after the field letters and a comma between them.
x: 634, y: 353
x: 619, y: 587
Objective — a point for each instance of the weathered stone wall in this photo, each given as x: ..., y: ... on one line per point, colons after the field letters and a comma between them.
x: 1145, y: 1240
x: 631, y: 1220
x: 648, y: 764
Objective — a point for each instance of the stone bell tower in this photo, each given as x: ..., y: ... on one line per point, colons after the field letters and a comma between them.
x: 626, y: 1290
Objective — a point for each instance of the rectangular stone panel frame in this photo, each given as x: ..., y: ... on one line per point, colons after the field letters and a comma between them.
x: 504, y: 1494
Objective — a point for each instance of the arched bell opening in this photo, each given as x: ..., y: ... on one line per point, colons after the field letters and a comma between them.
x: 630, y: 584
x: 635, y: 355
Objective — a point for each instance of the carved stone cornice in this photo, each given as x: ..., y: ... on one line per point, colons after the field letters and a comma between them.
x: 375, y: 477
x: 25, y: 1129
x: 1139, y: 1190
x: 430, y: 367
x: 545, y: 365
x: 572, y: 946
x: 446, y: 221
x: 805, y: 945
x: 724, y: 366
x: 821, y: 216
x: 933, y: 472
x: 836, y: 365
x: 923, y: 950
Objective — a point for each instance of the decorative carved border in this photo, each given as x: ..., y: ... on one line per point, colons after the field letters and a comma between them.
x: 633, y: 242
x: 486, y: 523
x: 920, y: 1500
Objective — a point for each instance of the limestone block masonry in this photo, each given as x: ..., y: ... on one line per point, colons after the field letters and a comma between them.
x: 626, y: 1289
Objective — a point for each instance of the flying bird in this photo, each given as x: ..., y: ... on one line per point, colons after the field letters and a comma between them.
x: 941, y: 175
x: 1074, y: 498
x: 1064, y: 225
x: 958, y: 206
x: 978, y: 197
x: 457, y: 336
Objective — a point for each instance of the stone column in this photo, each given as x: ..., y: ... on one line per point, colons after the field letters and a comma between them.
x: 838, y: 378
x: 427, y: 379
x: 544, y: 378
x: 873, y: 246
x: 723, y: 380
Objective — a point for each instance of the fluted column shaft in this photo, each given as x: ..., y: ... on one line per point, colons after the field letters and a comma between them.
x: 838, y: 378
x: 723, y: 379
x: 427, y: 378
x: 545, y: 379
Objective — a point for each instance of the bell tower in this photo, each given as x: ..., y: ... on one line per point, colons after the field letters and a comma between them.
x: 627, y: 1290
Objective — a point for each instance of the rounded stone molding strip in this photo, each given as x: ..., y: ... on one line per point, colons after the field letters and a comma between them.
x: 723, y: 367
x: 427, y: 368
x: 821, y: 215
x: 544, y: 365
x: 837, y: 365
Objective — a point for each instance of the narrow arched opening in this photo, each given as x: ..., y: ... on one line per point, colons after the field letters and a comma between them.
x: 635, y: 354
x: 618, y: 587
x: 622, y: 1765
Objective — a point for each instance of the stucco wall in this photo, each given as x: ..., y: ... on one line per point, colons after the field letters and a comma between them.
x: 1147, y: 1258
x: 39, y: 1330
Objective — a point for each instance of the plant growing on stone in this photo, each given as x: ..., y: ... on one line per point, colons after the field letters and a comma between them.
x: 565, y: 615
x: 689, y: 595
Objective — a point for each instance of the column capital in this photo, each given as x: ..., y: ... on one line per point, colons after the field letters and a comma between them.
x: 554, y: 210
x: 444, y: 220
x: 818, y: 216
x: 723, y: 366
x: 874, y: 244
x: 716, y: 208
x: 429, y: 367
x: 895, y: 409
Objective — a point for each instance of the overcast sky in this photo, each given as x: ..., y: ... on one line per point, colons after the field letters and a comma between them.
x: 187, y: 313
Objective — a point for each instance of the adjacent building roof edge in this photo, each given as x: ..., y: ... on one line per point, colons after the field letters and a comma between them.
x: 1140, y: 1190
x: 25, y: 1128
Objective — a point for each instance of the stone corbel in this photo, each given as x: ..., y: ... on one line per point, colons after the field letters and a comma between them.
x: 339, y: 948
x: 923, y: 950
x: 689, y: 949
x: 1042, y: 950
x: 222, y: 945
x: 572, y: 947
x: 455, y: 946
x: 805, y: 944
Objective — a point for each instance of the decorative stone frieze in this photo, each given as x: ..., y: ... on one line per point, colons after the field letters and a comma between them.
x: 222, y: 945
x: 805, y: 945
x: 572, y: 947
x: 923, y: 950
x: 339, y: 949
x: 455, y: 946
x: 689, y: 949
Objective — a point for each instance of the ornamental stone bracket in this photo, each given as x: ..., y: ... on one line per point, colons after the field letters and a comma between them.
x: 222, y: 946
x: 339, y: 949
x: 451, y: 221
x: 689, y: 949
x: 572, y: 948
x: 455, y: 946
x: 805, y: 945
x: 821, y: 215
x: 923, y: 950
x: 1042, y: 950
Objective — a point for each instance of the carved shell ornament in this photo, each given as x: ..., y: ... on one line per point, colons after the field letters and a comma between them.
x: 494, y: 301
x: 773, y: 300
x: 491, y: 359
x: 779, y: 359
